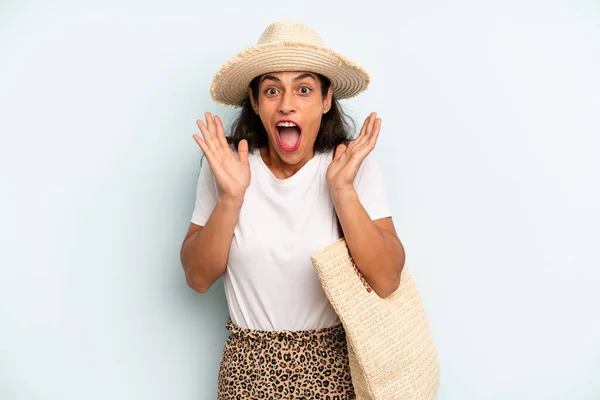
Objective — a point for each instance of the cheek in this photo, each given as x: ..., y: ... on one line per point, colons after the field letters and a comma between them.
x: 265, y: 118
x: 312, y: 129
x: 315, y: 120
x: 265, y: 112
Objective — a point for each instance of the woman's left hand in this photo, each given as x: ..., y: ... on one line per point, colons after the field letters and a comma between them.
x: 347, y: 159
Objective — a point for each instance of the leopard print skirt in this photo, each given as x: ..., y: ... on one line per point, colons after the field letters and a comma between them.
x: 310, y: 364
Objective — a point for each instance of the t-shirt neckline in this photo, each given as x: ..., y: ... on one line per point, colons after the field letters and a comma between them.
x: 292, y: 179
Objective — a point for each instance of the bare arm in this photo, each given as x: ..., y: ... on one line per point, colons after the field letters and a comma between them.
x: 374, y: 245
x: 205, y: 249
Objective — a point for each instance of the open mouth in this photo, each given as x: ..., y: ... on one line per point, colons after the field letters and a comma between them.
x: 289, y: 134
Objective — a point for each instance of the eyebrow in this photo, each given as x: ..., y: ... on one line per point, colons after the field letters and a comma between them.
x: 276, y: 79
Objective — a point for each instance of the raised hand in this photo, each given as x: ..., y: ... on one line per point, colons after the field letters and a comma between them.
x: 348, y: 158
x: 232, y: 174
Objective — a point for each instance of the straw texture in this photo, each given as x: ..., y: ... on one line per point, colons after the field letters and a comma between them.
x: 287, y: 46
x: 390, y: 348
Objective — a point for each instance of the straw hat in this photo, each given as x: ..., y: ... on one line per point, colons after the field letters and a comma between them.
x: 287, y: 46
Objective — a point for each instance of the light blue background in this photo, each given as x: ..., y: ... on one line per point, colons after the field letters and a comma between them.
x: 489, y: 144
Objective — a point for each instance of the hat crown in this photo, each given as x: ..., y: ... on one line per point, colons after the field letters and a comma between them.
x: 296, y: 32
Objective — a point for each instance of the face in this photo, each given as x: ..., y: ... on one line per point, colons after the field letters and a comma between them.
x: 291, y: 106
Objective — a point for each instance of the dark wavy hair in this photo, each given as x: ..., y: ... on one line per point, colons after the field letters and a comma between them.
x: 336, y: 126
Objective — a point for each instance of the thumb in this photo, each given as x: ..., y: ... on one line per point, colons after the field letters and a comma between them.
x: 339, y: 151
x: 243, y: 151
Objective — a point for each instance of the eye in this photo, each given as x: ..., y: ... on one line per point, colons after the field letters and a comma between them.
x: 305, y: 90
x: 271, y: 91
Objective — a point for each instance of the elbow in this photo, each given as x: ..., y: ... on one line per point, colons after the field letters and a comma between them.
x: 193, y: 278
x: 388, y: 289
x: 391, y: 284
x: 196, y: 283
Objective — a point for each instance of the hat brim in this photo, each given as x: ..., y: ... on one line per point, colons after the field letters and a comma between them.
x: 230, y: 84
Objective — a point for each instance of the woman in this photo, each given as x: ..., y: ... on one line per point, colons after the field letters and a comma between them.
x: 287, y: 182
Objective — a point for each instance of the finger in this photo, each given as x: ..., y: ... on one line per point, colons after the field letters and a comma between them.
x: 371, y: 123
x: 201, y: 143
x: 360, y: 153
x: 368, y: 133
x: 221, y: 132
x: 243, y: 151
x: 375, y: 133
x: 339, y: 151
x: 372, y: 134
x: 210, y: 123
x: 210, y: 127
x: 360, y: 134
x: 207, y: 135
x: 363, y: 128
x: 363, y: 132
x: 210, y: 155
x: 366, y: 123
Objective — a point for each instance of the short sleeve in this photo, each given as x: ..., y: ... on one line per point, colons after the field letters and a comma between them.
x: 207, y: 194
x: 371, y: 189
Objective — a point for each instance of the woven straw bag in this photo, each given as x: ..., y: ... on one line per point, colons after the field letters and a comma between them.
x: 390, y: 348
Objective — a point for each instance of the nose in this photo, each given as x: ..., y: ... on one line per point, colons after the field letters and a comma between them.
x: 287, y: 104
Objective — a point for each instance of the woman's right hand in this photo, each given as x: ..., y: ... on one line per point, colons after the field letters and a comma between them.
x: 232, y: 174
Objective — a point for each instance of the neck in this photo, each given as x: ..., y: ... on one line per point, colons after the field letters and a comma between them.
x: 279, y: 167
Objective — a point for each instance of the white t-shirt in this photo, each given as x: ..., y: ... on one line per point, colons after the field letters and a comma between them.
x: 270, y: 282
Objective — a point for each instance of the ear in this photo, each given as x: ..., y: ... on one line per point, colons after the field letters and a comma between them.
x: 254, y: 105
x: 328, y: 100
